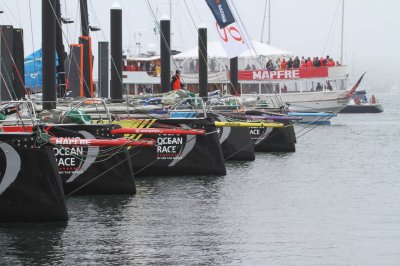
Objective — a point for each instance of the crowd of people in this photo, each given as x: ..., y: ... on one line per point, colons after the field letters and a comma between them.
x: 143, y: 66
x: 294, y: 63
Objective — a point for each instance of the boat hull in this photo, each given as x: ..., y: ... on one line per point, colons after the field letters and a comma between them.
x: 177, y: 154
x: 236, y: 142
x: 93, y: 170
x: 324, y: 101
x: 30, y: 185
x: 319, y: 118
x: 362, y: 108
x: 273, y: 139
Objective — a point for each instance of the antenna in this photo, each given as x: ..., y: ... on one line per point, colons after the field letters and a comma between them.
x: 138, y: 38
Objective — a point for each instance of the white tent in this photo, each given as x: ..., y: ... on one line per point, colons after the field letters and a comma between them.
x: 216, y: 50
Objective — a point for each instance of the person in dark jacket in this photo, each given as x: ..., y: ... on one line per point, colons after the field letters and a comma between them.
x: 270, y: 65
x: 290, y: 63
x: 296, y: 62
x: 316, y: 62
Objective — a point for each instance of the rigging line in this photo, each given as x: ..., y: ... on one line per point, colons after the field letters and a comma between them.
x: 9, y: 11
x: 72, y: 35
x: 97, y: 20
x: 176, y: 17
x: 58, y: 21
x: 86, y: 86
x: 127, y: 26
x: 113, y: 65
x: 162, y: 34
x: 263, y: 23
x: 196, y: 10
x: 77, y: 18
x: 33, y: 44
x: 312, y: 125
x: 12, y: 90
x: 331, y: 27
x: 14, y: 65
x: 208, y: 57
x: 8, y: 89
x: 218, y: 77
x: 251, y: 142
x: 103, y: 173
x: 68, y: 33
x: 19, y: 15
x: 252, y: 49
x: 249, y: 44
x: 312, y: 128
x: 119, y: 163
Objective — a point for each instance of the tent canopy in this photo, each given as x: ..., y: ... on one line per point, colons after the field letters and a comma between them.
x: 216, y: 50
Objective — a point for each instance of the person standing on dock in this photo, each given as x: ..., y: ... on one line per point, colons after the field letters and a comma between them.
x: 176, y: 83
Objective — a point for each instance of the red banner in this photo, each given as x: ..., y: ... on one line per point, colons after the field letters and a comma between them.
x: 301, y: 73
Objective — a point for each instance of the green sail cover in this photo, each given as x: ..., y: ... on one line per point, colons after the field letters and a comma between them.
x: 65, y: 117
x: 2, y: 117
x: 80, y: 117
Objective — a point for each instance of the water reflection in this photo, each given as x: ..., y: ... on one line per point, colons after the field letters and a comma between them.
x: 31, y: 243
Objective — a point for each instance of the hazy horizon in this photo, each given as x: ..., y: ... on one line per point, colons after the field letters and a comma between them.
x: 308, y: 27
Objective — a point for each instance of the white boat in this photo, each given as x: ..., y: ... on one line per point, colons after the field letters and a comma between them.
x: 315, y: 89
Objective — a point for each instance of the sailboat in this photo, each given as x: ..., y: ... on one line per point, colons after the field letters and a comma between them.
x: 361, y: 104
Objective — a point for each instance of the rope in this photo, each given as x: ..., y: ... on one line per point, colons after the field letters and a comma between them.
x: 102, y: 174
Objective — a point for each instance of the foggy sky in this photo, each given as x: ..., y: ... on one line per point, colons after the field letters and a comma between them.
x: 304, y: 27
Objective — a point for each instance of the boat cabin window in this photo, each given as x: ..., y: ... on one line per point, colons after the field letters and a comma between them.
x: 267, y: 88
x: 250, y: 88
x: 330, y: 85
x: 287, y: 87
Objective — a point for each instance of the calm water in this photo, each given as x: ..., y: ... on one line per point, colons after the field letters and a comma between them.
x: 336, y: 201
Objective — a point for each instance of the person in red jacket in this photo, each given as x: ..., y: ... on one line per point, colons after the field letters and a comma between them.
x: 283, y: 64
x: 330, y: 63
x: 309, y: 63
x: 373, y: 99
x: 176, y: 83
x: 322, y: 61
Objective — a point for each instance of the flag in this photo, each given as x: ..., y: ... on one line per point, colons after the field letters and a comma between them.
x: 221, y: 12
x: 232, y: 39
x: 350, y: 92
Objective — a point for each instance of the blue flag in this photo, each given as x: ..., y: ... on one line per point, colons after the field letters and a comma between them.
x: 221, y: 12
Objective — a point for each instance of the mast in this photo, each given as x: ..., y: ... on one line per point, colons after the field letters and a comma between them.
x: 165, y: 53
x: 263, y: 23
x: 342, y: 37
x: 84, y: 17
x: 234, y: 86
x: 60, y: 52
x: 269, y: 22
x: 203, y: 62
x: 87, y: 50
x: 49, y: 58
x: 116, y: 86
